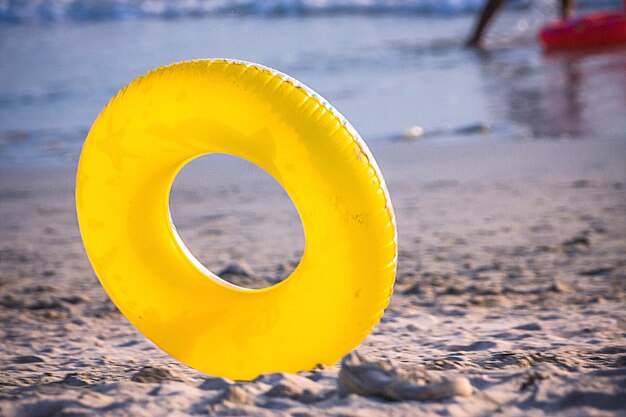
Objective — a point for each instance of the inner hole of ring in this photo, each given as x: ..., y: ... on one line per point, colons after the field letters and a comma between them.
x: 237, y: 220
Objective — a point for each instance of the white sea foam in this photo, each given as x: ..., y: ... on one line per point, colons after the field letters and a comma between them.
x: 20, y: 11
x: 17, y: 11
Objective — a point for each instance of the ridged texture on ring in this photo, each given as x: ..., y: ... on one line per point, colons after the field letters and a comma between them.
x: 176, y: 113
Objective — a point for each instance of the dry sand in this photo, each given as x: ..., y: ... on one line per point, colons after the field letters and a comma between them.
x: 512, y: 276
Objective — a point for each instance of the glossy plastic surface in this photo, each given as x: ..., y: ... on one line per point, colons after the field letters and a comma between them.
x: 594, y: 30
x: 174, y: 114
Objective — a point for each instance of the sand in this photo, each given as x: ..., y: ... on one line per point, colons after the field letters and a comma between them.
x: 511, y: 287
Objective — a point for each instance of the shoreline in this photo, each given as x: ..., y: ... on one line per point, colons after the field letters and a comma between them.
x: 404, y: 152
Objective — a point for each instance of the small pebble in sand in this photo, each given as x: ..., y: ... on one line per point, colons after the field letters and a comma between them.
x: 380, y: 379
x: 296, y: 387
x: 79, y: 379
x: 215, y: 384
x: 239, y: 268
x: 237, y: 395
x: 75, y: 299
x: 559, y: 287
x: 27, y: 359
x: 414, y: 132
x: 533, y: 327
x: 154, y: 375
x: 581, y: 239
x: 473, y: 347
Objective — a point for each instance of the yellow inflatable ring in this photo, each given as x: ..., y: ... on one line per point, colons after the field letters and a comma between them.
x: 130, y: 158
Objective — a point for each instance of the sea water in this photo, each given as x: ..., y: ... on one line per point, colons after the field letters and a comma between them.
x: 397, y: 70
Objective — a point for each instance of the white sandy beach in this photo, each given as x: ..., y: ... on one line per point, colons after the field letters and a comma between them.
x: 512, y: 274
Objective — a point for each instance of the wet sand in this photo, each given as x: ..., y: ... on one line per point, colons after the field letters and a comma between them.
x: 511, y: 276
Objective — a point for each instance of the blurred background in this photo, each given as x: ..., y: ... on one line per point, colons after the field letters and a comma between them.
x: 396, y: 69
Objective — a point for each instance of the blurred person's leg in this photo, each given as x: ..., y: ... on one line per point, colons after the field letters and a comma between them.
x: 490, y: 8
x: 567, y: 8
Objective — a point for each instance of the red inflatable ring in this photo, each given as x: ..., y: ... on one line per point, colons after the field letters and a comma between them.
x: 594, y: 30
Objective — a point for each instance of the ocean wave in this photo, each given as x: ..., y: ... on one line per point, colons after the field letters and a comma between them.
x: 34, y: 11
x: 21, y: 11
